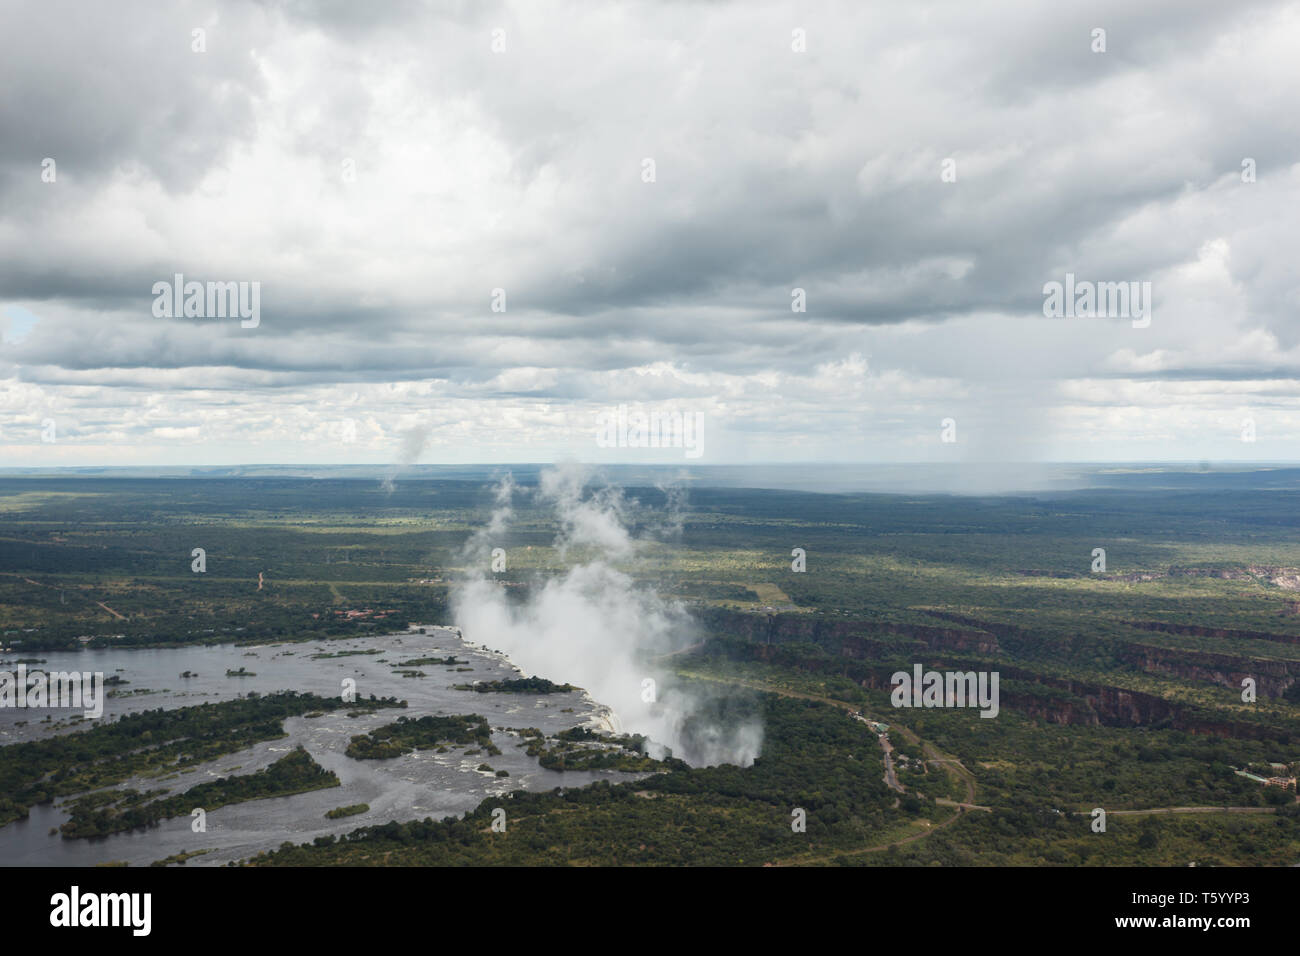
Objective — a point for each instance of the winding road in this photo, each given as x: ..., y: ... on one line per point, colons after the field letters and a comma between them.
x: 949, y: 764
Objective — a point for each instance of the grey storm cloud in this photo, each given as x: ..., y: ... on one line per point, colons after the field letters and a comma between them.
x: 381, y: 172
x: 105, y: 87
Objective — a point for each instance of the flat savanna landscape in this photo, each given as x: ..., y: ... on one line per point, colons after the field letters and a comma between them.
x: 1121, y: 689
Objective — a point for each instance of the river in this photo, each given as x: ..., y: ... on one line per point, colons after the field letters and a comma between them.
x: 410, y: 787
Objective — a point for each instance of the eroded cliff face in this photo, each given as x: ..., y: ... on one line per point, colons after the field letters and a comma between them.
x: 1272, y: 678
x: 1222, y: 633
x: 846, y: 650
x: 1088, y: 703
x: 828, y: 633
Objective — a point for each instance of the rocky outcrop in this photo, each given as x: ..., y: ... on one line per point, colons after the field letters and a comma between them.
x: 1286, y: 578
x: 1223, y: 574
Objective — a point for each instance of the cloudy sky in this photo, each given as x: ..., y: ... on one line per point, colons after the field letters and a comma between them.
x: 647, y: 184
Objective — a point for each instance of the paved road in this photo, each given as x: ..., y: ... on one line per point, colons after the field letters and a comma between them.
x: 891, y: 778
x: 1138, y: 813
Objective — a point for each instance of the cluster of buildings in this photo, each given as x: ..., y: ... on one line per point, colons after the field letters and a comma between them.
x: 1279, y: 778
x: 87, y: 638
x: 354, y: 615
x: 877, y: 727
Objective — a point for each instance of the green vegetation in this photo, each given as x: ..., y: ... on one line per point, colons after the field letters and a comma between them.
x: 582, y: 749
x: 156, y: 742
x: 424, y: 733
x: 112, y: 811
x: 1023, y: 836
x: 179, y: 858
x: 815, y: 759
x: 522, y: 685
x: 1119, y: 689
x: 349, y: 811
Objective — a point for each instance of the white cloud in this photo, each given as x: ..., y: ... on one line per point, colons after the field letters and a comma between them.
x: 522, y: 171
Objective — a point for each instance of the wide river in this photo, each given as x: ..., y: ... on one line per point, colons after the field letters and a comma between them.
x: 410, y: 787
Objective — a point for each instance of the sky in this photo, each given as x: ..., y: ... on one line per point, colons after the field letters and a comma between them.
x: 820, y: 231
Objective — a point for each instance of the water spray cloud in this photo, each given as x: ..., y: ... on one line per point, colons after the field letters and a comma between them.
x: 594, y: 624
